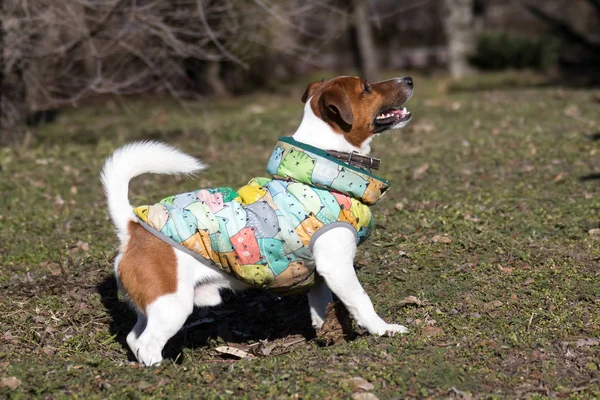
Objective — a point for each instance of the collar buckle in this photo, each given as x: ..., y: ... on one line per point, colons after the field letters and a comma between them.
x: 356, y: 159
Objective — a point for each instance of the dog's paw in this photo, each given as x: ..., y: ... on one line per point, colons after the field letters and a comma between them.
x: 149, y: 358
x: 317, y: 321
x: 391, y: 330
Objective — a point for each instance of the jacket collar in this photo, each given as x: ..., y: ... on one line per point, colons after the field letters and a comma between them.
x: 292, y: 160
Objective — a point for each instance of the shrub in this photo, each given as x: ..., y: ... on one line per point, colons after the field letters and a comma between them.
x: 495, y: 51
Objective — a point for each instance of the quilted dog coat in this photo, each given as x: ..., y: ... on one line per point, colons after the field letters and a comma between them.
x: 263, y: 232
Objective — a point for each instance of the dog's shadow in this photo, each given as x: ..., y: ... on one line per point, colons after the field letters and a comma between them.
x: 247, y: 317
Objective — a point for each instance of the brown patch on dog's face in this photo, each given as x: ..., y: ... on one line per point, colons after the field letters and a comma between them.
x: 358, y: 109
x: 148, y: 268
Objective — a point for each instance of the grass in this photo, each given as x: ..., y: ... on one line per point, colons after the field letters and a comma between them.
x: 490, y: 224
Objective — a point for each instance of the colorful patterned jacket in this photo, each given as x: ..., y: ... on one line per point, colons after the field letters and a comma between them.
x: 263, y: 233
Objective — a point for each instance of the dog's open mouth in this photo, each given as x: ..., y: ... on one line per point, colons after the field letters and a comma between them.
x: 392, y: 116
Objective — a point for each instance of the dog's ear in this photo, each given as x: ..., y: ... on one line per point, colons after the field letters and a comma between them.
x: 336, y: 103
x: 310, y: 89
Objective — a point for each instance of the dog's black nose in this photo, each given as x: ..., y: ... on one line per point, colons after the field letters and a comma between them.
x: 408, y: 80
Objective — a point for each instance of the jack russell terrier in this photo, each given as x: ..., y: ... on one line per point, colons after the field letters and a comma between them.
x: 296, y: 231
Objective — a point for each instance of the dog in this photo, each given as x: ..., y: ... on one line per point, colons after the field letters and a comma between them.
x: 295, y: 232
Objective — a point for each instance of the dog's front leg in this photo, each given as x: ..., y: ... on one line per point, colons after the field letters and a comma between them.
x: 334, y: 253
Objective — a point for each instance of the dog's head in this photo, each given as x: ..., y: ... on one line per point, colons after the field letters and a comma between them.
x: 352, y: 110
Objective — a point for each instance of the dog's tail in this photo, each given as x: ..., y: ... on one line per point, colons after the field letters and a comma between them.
x: 136, y: 159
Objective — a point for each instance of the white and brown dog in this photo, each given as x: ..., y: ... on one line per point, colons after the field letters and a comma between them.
x: 164, y: 283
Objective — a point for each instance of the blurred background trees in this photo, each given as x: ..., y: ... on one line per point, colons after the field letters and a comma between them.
x: 57, y: 53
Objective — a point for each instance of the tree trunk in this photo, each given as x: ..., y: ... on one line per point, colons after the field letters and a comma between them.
x: 13, y: 109
x: 213, y: 79
x: 458, y: 25
x: 363, y: 42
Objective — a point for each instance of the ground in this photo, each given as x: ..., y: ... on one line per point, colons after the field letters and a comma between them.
x: 491, y: 225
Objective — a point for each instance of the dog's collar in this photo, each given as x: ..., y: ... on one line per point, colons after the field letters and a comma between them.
x: 295, y: 161
x: 356, y: 159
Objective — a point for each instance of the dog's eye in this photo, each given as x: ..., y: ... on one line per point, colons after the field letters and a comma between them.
x: 367, y: 88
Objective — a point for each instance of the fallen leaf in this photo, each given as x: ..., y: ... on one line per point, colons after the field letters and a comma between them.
x: 441, y: 239
x: 243, y: 346
x: 560, y: 177
x: 507, y: 270
x: 464, y: 266
x: 12, y: 382
x: 143, y: 385
x: 432, y: 331
x: 333, y: 372
x: 359, y: 383
x: 232, y: 351
x: 58, y: 200
x: 255, y: 109
x: 423, y: 126
x: 527, y: 168
x: 532, y: 149
x: 410, y: 300
x: 264, y: 349
x: 594, y: 232
x: 571, y: 111
x: 528, y: 281
x: 336, y: 326
x: 489, y: 343
x: 292, y: 340
x: 364, y: 396
x: 418, y: 173
x: 162, y: 382
x: 493, y: 304
x: 471, y: 218
x: 85, y: 246
x: 399, y: 206
x: 587, y: 342
x: 538, y: 355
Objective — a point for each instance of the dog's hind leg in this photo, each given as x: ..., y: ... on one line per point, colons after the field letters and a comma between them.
x: 334, y: 254
x: 318, y: 298
x: 165, y: 317
x: 137, y: 330
x: 140, y: 325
